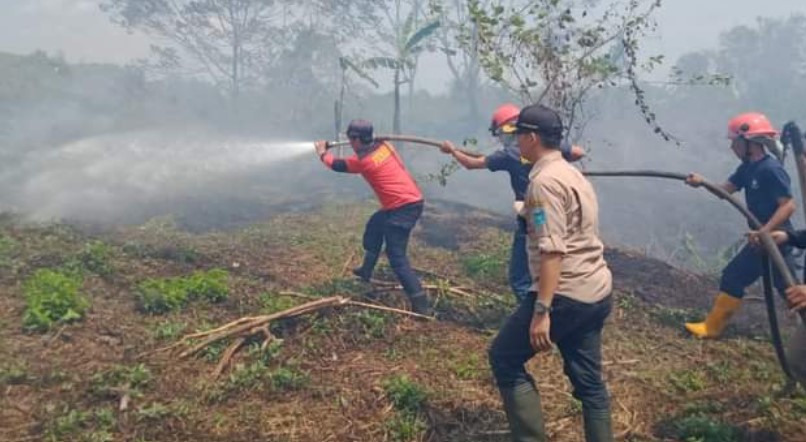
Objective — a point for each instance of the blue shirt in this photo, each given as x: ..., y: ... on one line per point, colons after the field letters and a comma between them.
x: 764, y: 182
x: 508, y: 160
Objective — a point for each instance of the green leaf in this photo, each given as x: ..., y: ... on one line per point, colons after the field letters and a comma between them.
x: 421, y: 34
x: 382, y: 62
x: 346, y: 64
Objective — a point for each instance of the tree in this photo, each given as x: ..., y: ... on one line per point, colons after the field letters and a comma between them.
x: 229, y: 41
x: 401, y: 48
x: 458, y: 40
x: 767, y: 63
x: 558, y: 51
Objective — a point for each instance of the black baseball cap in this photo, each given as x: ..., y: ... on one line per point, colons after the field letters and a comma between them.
x: 541, y: 120
x: 361, y: 129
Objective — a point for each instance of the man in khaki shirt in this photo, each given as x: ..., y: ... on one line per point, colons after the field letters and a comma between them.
x: 570, y: 297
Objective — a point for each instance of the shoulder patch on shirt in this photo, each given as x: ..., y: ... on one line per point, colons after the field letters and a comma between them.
x: 380, y: 155
x: 539, y: 216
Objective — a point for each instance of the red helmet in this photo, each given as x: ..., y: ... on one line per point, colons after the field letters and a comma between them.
x: 751, y: 125
x: 506, y: 113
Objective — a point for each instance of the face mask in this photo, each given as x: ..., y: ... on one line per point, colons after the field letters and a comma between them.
x: 510, y: 144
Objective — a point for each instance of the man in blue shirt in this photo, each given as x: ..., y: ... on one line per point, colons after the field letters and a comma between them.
x: 508, y: 159
x: 768, y: 196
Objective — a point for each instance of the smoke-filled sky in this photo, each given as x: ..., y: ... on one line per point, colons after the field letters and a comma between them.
x: 81, y: 32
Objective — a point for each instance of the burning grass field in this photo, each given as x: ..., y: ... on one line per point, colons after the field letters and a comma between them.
x: 343, y: 373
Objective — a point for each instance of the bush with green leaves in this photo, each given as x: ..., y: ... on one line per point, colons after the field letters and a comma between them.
x: 405, y: 394
x: 52, y: 297
x: 132, y: 379
x: 704, y: 429
x: 8, y: 247
x: 158, y: 296
x: 95, y: 257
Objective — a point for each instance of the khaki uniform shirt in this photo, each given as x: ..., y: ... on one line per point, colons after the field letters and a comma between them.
x: 563, y: 217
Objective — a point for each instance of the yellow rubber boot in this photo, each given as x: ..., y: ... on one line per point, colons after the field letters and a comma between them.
x: 724, y: 308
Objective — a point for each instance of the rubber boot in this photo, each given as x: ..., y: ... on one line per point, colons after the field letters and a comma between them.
x: 368, y: 267
x: 724, y: 308
x: 524, y: 413
x: 598, y: 426
x: 420, y: 304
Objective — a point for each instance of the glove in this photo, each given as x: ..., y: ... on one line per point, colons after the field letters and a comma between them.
x: 517, y: 206
x: 320, y: 147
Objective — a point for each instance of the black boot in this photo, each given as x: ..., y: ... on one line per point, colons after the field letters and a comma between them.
x: 420, y: 304
x: 368, y: 267
x: 524, y: 413
x: 598, y: 425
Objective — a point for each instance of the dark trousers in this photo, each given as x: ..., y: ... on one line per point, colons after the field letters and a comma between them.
x: 576, y: 329
x: 393, y: 227
x: 520, y: 281
x: 745, y: 269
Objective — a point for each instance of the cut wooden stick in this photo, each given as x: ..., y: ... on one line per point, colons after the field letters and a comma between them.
x: 389, y: 309
x: 243, y: 329
x: 225, y: 359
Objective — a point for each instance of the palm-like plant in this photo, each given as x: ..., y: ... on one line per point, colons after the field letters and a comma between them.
x: 405, y: 46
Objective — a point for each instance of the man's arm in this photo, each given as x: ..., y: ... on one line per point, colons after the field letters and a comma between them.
x: 696, y: 180
x: 469, y: 162
x: 777, y: 182
x: 786, y: 207
x: 349, y: 164
x: 549, y: 223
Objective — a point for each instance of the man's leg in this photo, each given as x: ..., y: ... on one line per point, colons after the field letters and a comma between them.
x: 510, y: 350
x: 796, y: 353
x: 520, y: 281
x: 372, y: 242
x: 396, y: 234
x: 743, y: 270
x: 581, y: 350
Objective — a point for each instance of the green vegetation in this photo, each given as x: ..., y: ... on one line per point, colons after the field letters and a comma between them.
x: 52, y: 297
x: 687, y: 381
x: 158, y: 296
x: 133, y: 380
x: 168, y: 330
x: 95, y: 257
x: 8, y: 247
x: 405, y: 394
x: 273, y: 303
x: 408, y: 398
x: 89, y: 426
x: 704, y: 429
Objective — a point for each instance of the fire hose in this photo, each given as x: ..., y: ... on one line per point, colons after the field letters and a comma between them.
x: 773, y: 254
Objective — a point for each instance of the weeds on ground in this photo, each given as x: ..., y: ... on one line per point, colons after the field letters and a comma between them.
x: 96, y: 257
x: 255, y: 376
x: 468, y: 368
x: 13, y: 373
x: 156, y: 412
x: 52, y: 297
x: 701, y: 428
x: 168, y: 330
x: 89, y: 426
x: 337, y: 286
x: 408, y: 399
x: 121, y: 380
x: 159, y: 296
x: 372, y: 324
x: 673, y: 317
x: 8, y: 248
x: 484, y: 266
x: 687, y: 381
x: 273, y: 303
